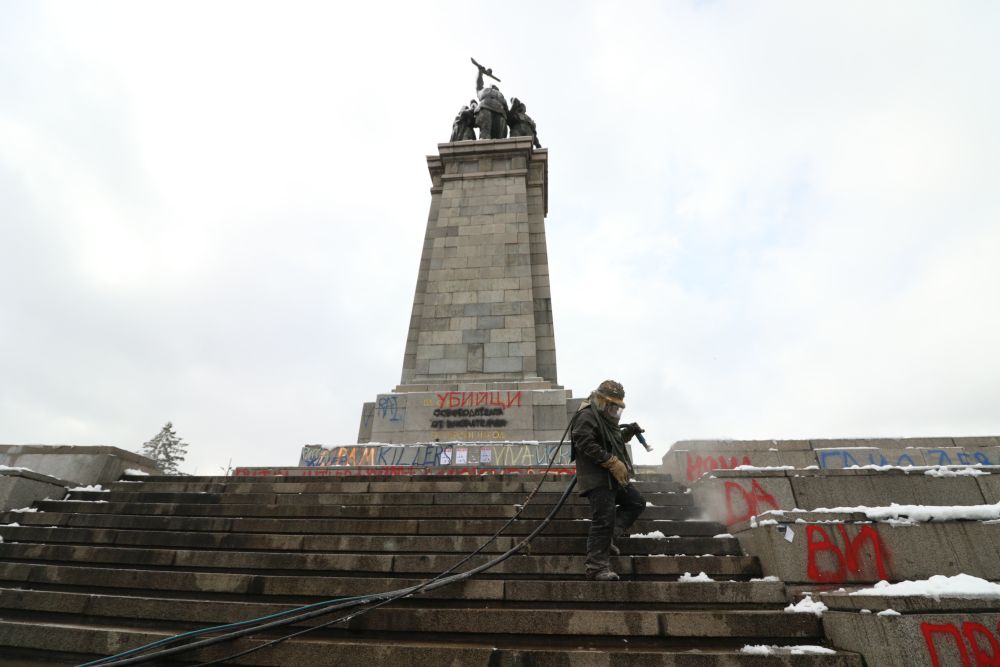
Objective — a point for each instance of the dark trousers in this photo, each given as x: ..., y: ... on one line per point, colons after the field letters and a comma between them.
x: 607, y: 523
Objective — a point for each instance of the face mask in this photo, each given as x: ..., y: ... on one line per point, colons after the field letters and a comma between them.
x: 615, y: 411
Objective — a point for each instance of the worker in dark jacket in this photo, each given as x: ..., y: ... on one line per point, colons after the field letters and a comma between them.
x: 603, y: 469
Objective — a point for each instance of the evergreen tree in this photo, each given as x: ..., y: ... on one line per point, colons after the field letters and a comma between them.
x: 166, y: 449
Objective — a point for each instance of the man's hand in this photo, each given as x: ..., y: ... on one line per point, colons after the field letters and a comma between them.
x: 617, y: 469
x: 629, y: 431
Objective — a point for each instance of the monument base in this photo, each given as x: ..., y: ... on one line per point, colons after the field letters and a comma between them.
x: 468, y: 412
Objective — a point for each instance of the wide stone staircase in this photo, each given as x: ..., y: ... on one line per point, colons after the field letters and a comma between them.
x: 103, y: 571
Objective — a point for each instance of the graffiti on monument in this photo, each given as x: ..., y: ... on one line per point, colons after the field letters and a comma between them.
x: 388, y: 406
x: 698, y: 465
x: 433, y: 455
x: 367, y: 413
x: 831, y: 563
x: 743, y: 502
x: 961, y: 458
x: 398, y: 471
x: 474, y: 409
x: 846, y: 458
x: 983, y: 645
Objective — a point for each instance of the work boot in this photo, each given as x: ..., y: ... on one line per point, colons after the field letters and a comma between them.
x: 602, y: 575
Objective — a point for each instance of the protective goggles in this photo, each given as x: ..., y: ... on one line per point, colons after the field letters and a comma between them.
x: 615, y: 410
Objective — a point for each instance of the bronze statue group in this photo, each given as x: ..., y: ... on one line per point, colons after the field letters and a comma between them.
x: 491, y: 115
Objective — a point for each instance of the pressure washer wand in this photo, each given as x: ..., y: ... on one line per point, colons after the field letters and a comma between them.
x: 643, y: 442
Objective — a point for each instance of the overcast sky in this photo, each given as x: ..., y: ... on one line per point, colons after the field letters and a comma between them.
x: 766, y: 219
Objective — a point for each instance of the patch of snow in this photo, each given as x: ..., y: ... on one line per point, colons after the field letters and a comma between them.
x: 687, y: 577
x: 13, y: 524
x: 769, y: 577
x: 649, y: 504
x: 806, y: 606
x: 889, y: 612
x: 764, y: 522
x: 901, y: 523
x: 656, y: 534
x: 865, y: 611
x: 721, y: 536
x: 133, y: 471
x: 923, y: 512
x: 26, y: 509
x: 92, y: 487
x: 810, y: 649
x: 757, y: 649
x: 937, y: 587
x: 15, y: 469
x: 955, y: 472
x: 749, y: 467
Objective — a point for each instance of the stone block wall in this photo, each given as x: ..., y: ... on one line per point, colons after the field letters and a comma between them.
x: 688, y: 460
x: 833, y: 549
x: 79, y: 464
x: 480, y: 357
x: 733, y: 496
x: 482, y: 309
x: 20, y: 488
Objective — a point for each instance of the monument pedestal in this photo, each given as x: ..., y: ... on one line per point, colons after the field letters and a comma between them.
x: 480, y: 359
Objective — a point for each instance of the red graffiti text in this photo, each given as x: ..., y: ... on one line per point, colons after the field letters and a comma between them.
x: 752, y: 501
x: 983, y: 647
x: 472, y: 399
x: 833, y: 564
x: 699, y: 465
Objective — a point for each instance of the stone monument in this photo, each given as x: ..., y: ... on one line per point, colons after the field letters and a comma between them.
x: 480, y: 358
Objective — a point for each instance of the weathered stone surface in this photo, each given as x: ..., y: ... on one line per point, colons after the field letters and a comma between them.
x: 79, y: 464
x: 731, y: 500
x: 732, y: 496
x: 482, y: 308
x: 880, y: 490
x: 829, y: 548
x: 689, y: 459
x: 20, y: 488
x: 917, y: 640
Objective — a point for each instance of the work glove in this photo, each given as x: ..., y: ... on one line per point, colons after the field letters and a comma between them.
x: 629, y: 431
x: 617, y: 469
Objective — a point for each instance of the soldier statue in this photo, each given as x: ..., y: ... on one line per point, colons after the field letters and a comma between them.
x: 521, y: 124
x: 491, y: 117
x: 464, y: 127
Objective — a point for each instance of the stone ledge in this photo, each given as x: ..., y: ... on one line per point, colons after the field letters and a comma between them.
x: 917, y: 640
x: 832, y: 549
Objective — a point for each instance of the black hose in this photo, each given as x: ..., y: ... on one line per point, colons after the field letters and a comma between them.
x: 375, y: 600
x: 423, y: 587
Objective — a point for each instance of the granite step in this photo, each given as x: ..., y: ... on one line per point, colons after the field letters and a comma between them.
x: 496, y: 619
x: 300, y: 590
x: 380, y: 499
x: 70, y: 639
x: 344, y: 526
x: 556, y: 566
x: 535, y: 510
x: 327, y: 485
x: 381, y: 543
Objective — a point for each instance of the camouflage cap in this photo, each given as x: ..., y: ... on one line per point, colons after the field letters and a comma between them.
x: 613, y: 391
